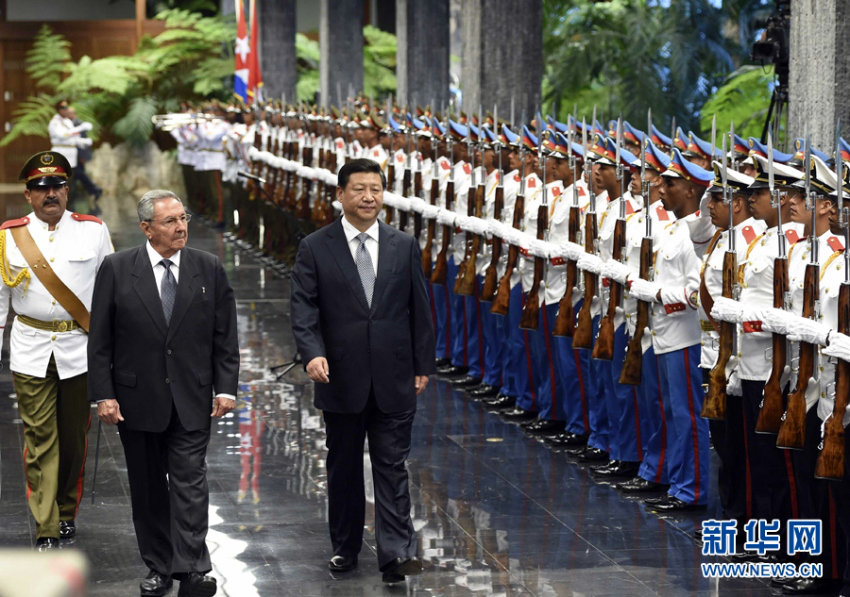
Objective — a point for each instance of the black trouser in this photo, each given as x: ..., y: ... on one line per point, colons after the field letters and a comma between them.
x: 167, y: 472
x: 83, y: 178
x: 389, y: 445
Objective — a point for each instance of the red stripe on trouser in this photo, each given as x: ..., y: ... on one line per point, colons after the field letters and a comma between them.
x: 480, y: 328
x: 662, y: 455
x: 747, y: 475
x: 82, y: 474
x: 581, y: 393
x: 694, y: 433
x: 551, y: 363
x: 792, y: 484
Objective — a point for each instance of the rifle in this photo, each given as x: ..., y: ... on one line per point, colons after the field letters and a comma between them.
x: 432, y: 223
x: 417, y: 192
x: 389, y: 211
x: 631, y: 373
x: 583, y: 333
x: 502, y: 300
x: 529, y: 320
x: 441, y: 265
x: 488, y: 289
x: 466, y: 280
x: 714, y: 405
x: 830, y: 463
x: 303, y: 209
x: 565, y: 320
x: 604, y: 347
x: 251, y: 186
x: 406, y: 189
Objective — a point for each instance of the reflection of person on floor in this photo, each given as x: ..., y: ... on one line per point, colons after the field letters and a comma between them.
x: 68, y: 139
x: 251, y: 429
x: 84, y: 155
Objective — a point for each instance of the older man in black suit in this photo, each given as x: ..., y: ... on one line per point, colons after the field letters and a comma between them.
x: 162, y: 343
x: 362, y: 322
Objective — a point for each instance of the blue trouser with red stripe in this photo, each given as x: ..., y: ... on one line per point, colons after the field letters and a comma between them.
x: 680, y: 379
x: 625, y: 439
x: 493, y: 336
x: 457, y: 317
x: 572, y: 366
x: 597, y: 411
x: 516, y: 359
x: 442, y: 331
x: 652, y: 422
x: 543, y: 365
x: 473, y: 334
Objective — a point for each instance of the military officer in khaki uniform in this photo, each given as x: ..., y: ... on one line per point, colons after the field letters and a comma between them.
x: 48, y: 262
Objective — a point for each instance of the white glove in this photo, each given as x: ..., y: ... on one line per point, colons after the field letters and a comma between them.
x: 84, y: 126
x: 571, y: 251
x: 616, y: 271
x: 552, y: 250
x: 538, y: 248
x: 84, y: 142
x: 644, y: 290
x: 776, y: 320
x: 462, y: 222
x: 430, y: 211
x: 733, y: 383
x: 477, y: 226
x: 726, y: 309
x: 446, y: 217
x: 390, y: 199
x: 416, y: 204
x: 839, y: 346
x: 590, y: 263
x: 808, y: 330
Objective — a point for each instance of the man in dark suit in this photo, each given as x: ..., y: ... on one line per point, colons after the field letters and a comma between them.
x: 162, y: 343
x: 362, y: 322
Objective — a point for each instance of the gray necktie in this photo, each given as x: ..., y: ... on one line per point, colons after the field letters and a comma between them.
x: 365, y: 268
x: 167, y: 290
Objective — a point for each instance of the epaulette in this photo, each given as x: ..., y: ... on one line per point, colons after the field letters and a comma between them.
x: 792, y: 236
x: 749, y: 234
x: 86, y: 218
x: 835, y: 243
x: 15, y: 223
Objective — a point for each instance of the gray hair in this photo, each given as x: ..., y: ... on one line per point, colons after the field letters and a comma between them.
x: 145, y: 208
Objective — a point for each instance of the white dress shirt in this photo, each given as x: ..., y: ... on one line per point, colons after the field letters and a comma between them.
x: 353, y: 243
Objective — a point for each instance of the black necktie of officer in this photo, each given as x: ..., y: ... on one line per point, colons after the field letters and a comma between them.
x: 167, y: 290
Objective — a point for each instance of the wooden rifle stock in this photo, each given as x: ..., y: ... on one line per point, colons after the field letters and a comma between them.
x: 773, y: 386
x: 288, y: 196
x: 317, y: 212
x: 714, y: 405
x: 466, y: 280
x: 583, y: 334
x: 251, y: 186
x: 565, y: 320
x: 604, y: 347
x: 431, y: 232
x: 389, y: 212
x: 792, y: 432
x: 488, y: 289
x: 417, y: 192
x: 830, y: 463
x: 441, y: 264
x: 303, y: 210
x: 529, y: 320
x: 502, y: 300
x: 403, y: 215
x: 633, y: 363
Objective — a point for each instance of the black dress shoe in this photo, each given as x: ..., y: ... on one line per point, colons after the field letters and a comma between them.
x: 622, y: 470
x: 543, y: 426
x: 668, y: 503
x: 197, y: 585
x: 46, y: 543
x: 518, y: 414
x: 638, y: 485
x: 67, y: 529
x: 402, y: 567
x: 444, y: 362
x: 155, y: 584
x: 596, y: 468
x: 589, y: 454
x: 466, y: 381
x: 451, y: 371
x: 809, y: 586
x: 341, y: 563
x: 484, y: 391
x: 567, y: 438
x: 501, y: 402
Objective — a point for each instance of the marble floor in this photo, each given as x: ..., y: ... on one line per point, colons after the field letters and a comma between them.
x: 497, y: 512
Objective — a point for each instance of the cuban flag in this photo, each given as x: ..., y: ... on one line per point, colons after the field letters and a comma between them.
x: 242, y: 54
x: 255, y: 77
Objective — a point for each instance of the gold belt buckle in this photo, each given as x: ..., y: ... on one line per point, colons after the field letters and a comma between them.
x: 63, y: 326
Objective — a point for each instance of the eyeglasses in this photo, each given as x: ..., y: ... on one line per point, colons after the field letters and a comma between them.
x: 171, y: 222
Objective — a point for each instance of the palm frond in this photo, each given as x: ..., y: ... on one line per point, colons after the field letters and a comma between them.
x: 30, y: 118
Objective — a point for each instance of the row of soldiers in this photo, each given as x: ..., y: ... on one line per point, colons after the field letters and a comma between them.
x: 624, y: 295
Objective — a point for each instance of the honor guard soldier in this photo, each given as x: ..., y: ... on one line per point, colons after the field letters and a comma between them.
x: 48, y: 262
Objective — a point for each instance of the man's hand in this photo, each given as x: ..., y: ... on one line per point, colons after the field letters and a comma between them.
x: 109, y: 411
x: 318, y: 370
x: 222, y: 406
x: 420, y: 382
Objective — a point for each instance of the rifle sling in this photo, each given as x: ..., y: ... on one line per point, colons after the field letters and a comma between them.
x: 45, y: 274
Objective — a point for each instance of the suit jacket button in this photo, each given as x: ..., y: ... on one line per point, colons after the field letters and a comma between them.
x: 167, y: 380
x: 169, y: 351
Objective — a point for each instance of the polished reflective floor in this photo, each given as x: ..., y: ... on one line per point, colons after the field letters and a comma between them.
x: 497, y: 512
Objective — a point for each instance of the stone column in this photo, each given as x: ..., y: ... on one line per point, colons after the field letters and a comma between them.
x: 422, y: 71
x: 502, y: 55
x: 277, y: 51
x: 819, y: 70
x: 340, y: 49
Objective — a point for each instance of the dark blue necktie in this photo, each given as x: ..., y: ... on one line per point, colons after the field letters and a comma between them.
x: 167, y: 290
